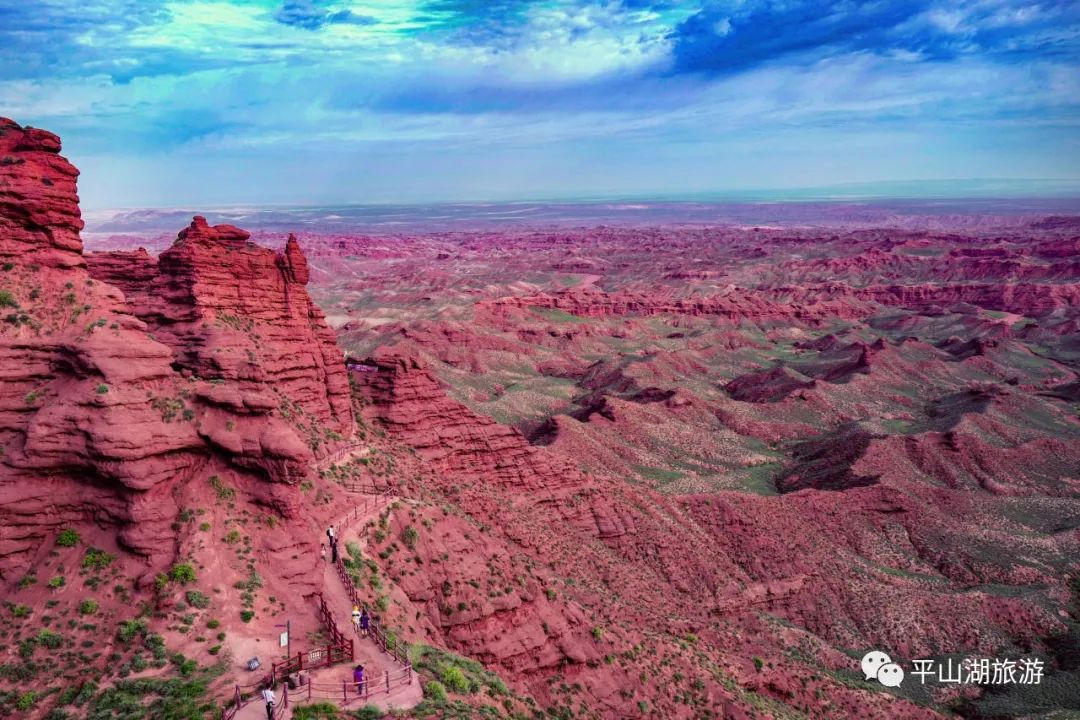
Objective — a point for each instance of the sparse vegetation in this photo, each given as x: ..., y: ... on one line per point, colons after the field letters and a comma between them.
x: 223, y: 491
x: 130, y: 629
x: 315, y: 711
x: 182, y: 573
x: 97, y: 559
x: 67, y: 538
x: 435, y: 691
x: 197, y: 599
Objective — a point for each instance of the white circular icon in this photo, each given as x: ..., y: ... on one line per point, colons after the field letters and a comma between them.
x: 890, y: 675
x: 872, y: 663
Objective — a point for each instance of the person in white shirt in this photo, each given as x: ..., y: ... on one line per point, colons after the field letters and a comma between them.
x: 268, y: 698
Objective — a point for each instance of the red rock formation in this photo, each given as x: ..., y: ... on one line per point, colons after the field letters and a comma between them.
x: 234, y: 311
x: 404, y: 396
x: 39, y: 210
x: 111, y: 407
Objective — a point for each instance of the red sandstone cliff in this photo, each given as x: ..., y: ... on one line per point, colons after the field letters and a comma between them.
x: 127, y: 381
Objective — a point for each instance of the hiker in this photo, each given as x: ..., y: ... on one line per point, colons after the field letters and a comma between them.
x: 333, y: 551
x: 331, y: 535
x: 365, y: 622
x: 358, y: 678
x: 268, y: 698
x: 322, y: 552
x: 356, y: 618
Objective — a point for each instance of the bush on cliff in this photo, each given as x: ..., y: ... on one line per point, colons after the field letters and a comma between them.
x: 182, y: 573
x: 67, y: 538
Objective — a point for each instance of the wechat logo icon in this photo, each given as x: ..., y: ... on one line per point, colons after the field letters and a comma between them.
x: 878, y: 665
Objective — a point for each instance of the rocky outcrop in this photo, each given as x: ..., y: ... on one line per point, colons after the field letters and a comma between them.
x: 734, y: 305
x: 403, y: 395
x: 39, y: 210
x: 129, y: 380
x: 234, y: 311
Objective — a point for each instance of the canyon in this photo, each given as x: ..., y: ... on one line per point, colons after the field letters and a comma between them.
x: 671, y: 470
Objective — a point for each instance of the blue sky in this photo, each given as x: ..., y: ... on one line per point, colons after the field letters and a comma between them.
x: 325, y: 101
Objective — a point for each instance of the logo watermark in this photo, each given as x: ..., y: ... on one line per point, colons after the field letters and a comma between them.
x: 969, y: 671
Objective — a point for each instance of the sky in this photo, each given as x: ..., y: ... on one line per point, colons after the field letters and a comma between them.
x: 174, y: 102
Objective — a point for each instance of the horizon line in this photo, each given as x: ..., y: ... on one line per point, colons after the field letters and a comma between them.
x: 1067, y: 189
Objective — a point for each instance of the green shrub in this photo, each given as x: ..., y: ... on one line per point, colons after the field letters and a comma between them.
x: 20, y: 611
x: 129, y: 629
x: 182, y: 573
x: 409, y: 536
x: 56, y: 582
x: 26, y: 700
x: 758, y: 664
x: 214, y: 649
x: 246, y: 615
x: 97, y: 559
x: 27, y: 580
x: 435, y: 691
x: 597, y: 632
x: 453, y: 678
x: 368, y: 712
x: 212, y: 623
x: 232, y: 537
x: 7, y: 299
x: 67, y: 538
x: 101, y: 389
x: 316, y: 711
x: 223, y: 491
x: 88, y: 607
x: 197, y: 599
x: 49, y: 639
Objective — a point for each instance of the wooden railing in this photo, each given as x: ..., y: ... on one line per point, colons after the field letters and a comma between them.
x: 281, y: 707
x: 348, y: 691
x: 341, y: 647
x: 369, y: 503
x: 243, y: 694
x: 340, y: 453
x: 338, y: 650
x: 387, y: 644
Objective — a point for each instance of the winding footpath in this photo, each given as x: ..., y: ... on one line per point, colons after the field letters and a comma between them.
x: 332, y: 684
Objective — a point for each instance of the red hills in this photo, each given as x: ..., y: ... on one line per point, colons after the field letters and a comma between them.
x: 643, y: 472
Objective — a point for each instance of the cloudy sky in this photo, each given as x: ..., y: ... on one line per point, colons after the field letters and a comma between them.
x: 311, y: 101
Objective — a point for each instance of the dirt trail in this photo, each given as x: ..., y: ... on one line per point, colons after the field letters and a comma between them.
x: 367, y: 653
